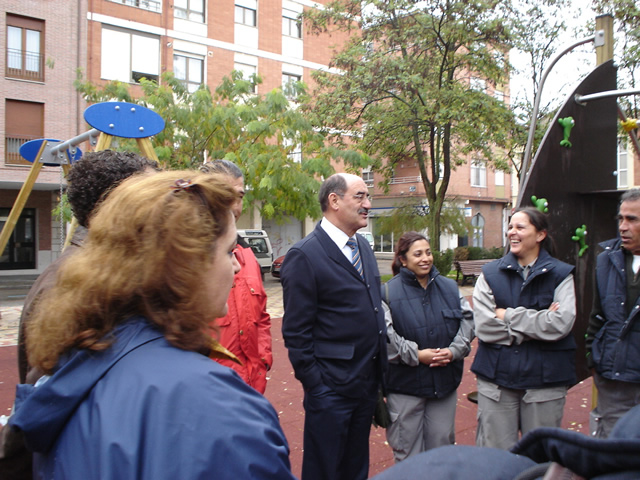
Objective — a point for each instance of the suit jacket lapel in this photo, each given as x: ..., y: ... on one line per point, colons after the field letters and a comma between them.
x: 334, y: 253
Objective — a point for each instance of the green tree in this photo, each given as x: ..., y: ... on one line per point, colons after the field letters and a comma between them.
x: 410, y: 216
x: 280, y: 152
x: 405, y: 90
x: 626, y: 14
x: 535, y: 27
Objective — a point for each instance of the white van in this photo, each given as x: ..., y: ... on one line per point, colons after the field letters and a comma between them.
x: 259, y: 242
x: 369, y: 237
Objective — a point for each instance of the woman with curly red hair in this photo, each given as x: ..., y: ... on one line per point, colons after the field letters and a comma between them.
x: 124, y: 337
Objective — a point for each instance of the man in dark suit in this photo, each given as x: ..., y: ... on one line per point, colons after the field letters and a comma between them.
x: 334, y: 329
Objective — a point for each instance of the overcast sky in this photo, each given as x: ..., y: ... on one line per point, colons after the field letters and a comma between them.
x: 568, y: 71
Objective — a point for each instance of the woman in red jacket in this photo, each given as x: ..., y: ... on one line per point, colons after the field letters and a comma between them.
x: 246, y: 329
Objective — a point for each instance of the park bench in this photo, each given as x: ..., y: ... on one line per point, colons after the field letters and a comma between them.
x: 469, y: 269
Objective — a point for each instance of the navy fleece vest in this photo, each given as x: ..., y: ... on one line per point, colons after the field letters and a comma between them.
x: 431, y: 318
x: 533, y: 363
x: 616, y: 347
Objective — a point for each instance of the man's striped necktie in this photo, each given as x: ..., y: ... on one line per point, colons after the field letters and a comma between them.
x: 355, y: 256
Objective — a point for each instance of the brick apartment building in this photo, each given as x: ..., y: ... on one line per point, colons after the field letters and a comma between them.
x: 200, y: 41
x: 44, y: 45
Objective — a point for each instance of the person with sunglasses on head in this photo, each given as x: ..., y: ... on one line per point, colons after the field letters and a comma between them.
x: 124, y: 339
x: 89, y: 182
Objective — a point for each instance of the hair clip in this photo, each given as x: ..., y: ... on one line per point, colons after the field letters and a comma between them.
x: 182, y: 184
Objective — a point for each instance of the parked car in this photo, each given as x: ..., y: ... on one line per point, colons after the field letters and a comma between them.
x: 369, y: 237
x: 276, y: 266
x: 259, y: 242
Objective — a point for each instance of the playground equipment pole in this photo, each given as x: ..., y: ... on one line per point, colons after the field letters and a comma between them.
x: 120, y: 119
x: 581, y: 99
x: 603, y: 41
x: 58, y: 154
x: 536, y: 106
x: 604, y: 49
x: 20, y: 202
x: 72, y: 143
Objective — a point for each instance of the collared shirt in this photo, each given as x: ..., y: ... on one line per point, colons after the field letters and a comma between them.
x: 524, y: 270
x: 338, y: 236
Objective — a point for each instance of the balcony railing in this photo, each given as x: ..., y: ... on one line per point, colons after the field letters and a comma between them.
x: 25, y: 65
x: 151, y: 5
x: 12, y: 149
x: 397, y: 180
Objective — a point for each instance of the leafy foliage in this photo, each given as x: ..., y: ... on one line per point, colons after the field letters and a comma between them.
x: 443, y: 261
x: 261, y: 134
x: 535, y: 26
x: 477, y: 253
x: 62, y: 210
x: 405, y: 90
x: 626, y: 14
x: 411, y: 216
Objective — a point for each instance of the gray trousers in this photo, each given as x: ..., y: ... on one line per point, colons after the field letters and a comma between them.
x: 419, y: 424
x: 503, y: 413
x: 614, y: 400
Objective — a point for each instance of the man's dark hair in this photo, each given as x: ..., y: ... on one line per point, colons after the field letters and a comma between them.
x: 91, y: 178
x: 334, y: 184
x: 632, y: 195
x: 226, y: 167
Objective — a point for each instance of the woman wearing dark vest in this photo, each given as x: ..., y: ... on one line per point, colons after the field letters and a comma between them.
x: 524, y: 308
x: 430, y: 328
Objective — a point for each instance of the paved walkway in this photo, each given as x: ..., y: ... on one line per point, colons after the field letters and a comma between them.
x: 285, y: 392
x: 9, y: 318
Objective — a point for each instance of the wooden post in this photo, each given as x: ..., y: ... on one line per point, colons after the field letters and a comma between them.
x: 20, y: 202
x: 104, y: 142
x: 604, y: 53
x: 144, y: 144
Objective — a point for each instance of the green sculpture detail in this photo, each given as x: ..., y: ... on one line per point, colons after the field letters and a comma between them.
x: 567, y: 124
x: 540, y: 203
x: 580, y: 236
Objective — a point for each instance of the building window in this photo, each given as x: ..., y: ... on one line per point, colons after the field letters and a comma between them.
x: 189, y: 70
x: 478, y: 84
x: 498, y: 95
x: 246, y: 16
x: 247, y: 72
x: 478, y: 174
x: 499, y: 178
x: 128, y: 57
x: 477, y: 223
x: 623, y: 180
x: 189, y: 10
x: 151, y: 5
x: 367, y: 176
x: 24, y: 122
x: 288, y: 84
x: 295, y: 150
x: 25, y: 47
x: 291, y: 26
x: 369, y: 50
